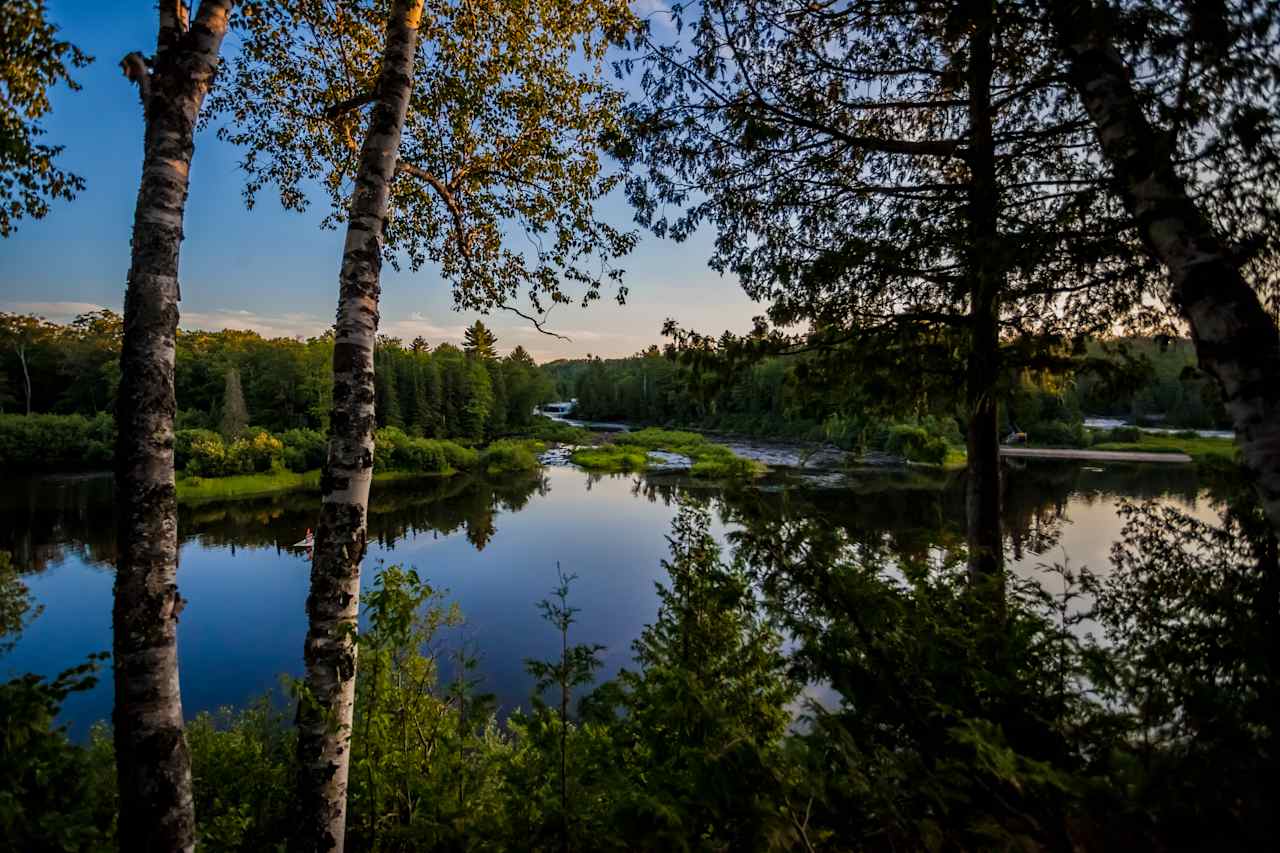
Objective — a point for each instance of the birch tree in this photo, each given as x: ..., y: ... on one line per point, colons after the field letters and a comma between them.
x: 153, y: 762
x: 1213, y: 162
x: 485, y: 129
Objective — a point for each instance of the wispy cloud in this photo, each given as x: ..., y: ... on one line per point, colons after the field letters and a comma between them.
x: 656, y: 11
x: 58, y: 312
x: 296, y: 324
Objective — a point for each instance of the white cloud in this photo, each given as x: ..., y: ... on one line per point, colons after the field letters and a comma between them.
x: 58, y: 312
x: 654, y: 10
x: 282, y: 326
x: 294, y: 324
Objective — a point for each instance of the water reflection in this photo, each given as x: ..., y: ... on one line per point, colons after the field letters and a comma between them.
x: 494, y: 546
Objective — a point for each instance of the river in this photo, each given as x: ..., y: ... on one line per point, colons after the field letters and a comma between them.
x: 494, y: 547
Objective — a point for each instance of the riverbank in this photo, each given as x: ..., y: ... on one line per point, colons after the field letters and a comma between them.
x: 196, y: 489
x: 1095, y: 455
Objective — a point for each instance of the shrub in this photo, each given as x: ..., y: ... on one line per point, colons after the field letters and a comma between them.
x: 1126, y: 433
x: 304, y: 449
x: 56, y: 442
x: 511, y: 456
x: 1059, y: 434
x: 183, y: 442
x: 545, y: 429
x: 396, y: 451
x: 207, y: 455
x: 255, y: 453
x: 914, y: 444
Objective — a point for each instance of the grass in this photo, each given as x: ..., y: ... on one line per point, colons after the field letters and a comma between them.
x: 1204, y: 451
x: 956, y: 459
x: 511, y: 456
x: 611, y: 457
x: 274, y: 482
x: 545, y: 429
x: 245, y: 485
x: 630, y: 452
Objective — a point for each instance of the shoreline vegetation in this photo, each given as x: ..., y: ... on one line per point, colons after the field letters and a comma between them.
x: 258, y: 462
x: 630, y: 452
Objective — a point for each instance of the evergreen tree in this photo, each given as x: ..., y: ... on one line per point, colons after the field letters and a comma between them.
x: 478, y: 397
x: 235, y: 415
x: 427, y: 405
x: 479, y: 342
x: 497, y: 422
x: 388, y: 394
x: 706, y: 710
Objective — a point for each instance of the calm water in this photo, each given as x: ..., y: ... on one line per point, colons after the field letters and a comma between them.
x: 494, y: 547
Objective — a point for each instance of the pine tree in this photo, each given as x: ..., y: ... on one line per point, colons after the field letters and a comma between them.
x: 479, y: 342
x: 235, y: 414
x: 387, y: 395
x: 427, y: 406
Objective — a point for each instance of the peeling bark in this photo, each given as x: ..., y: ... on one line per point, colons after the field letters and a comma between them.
x: 1236, y: 341
x: 325, y: 712
x: 153, y: 764
x: 986, y: 282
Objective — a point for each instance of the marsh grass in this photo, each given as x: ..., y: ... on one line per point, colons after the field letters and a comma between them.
x: 630, y: 451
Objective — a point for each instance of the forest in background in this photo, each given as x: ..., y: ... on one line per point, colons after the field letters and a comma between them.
x: 1148, y: 381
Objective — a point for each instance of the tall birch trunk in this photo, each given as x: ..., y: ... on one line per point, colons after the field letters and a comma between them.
x: 986, y: 282
x: 325, y: 714
x: 1236, y: 341
x: 152, y: 760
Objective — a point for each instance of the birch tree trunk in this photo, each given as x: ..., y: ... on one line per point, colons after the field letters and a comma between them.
x: 153, y: 764
x: 325, y: 712
x: 986, y: 282
x: 1236, y: 341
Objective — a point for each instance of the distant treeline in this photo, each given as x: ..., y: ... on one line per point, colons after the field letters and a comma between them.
x: 1141, y: 379
x: 284, y: 383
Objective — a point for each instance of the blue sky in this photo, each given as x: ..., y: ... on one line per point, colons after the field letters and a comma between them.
x: 275, y: 271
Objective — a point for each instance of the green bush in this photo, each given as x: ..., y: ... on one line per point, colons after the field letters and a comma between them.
x: 54, y: 795
x: 915, y: 444
x: 546, y: 429
x: 1125, y: 433
x: 1058, y: 434
x: 56, y: 442
x: 304, y: 449
x: 511, y: 456
x: 395, y: 450
x: 192, y: 443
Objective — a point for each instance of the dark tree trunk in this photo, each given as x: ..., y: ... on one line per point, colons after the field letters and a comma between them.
x: 325, y: 714
x: 21, y: 350
x: 152, y: 761
x: 1236, y: 341
x: 986, y: 282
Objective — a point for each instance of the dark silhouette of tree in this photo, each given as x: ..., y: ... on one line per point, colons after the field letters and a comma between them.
x: 32, y: 61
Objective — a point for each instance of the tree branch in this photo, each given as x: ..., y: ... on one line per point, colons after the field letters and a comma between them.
x: 450, y: 201
x: 354, y: 103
